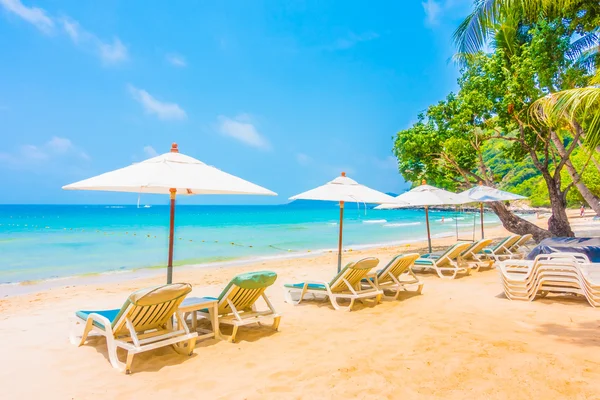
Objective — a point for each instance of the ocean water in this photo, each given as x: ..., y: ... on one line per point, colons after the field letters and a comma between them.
x: 52, y: 241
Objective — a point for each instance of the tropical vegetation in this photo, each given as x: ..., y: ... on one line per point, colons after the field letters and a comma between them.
x: 526, y: 115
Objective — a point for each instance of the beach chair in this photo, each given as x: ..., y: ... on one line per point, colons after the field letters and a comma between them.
x: 504, y: 249
x: 472, y: 255
x: 345, y: 285
x: 397, y: 275
x: 144, y: 322
x: 446, y: 262
x: 237, y: 302
x: 521, y: 244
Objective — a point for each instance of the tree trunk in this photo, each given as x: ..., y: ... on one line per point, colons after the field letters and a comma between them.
x: 517, y: 224
x: 558, y: 223
x: 588, y: 196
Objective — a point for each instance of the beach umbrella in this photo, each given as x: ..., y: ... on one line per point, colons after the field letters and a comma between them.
x: 486, y: 194
x: 426, y: 196
x: 343, y: 189
x: 174, y: 174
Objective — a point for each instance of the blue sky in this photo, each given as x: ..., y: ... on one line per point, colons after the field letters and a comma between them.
x: 284, y: 95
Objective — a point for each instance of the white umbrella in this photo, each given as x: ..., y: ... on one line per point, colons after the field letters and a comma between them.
x: 343, y: 189
x: 487, y: 194
x: 171, y: 173
x: 426, y: 195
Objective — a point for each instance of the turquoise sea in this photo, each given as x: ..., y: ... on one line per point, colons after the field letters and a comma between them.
x: 53, y: 241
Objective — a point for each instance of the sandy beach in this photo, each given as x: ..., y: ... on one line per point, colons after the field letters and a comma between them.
x: 458, y: 339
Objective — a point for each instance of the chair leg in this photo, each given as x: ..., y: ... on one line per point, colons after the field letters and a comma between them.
x: 111, y: 347
x: 129, y: 361
x: 276, y: 323
x: 76, y: 339
x: 334, y: 303
x: 288, y: 296
x: 233, y: 334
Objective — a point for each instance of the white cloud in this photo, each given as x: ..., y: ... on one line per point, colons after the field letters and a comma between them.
x: 29, y: 155
x: 34, y: 15
x: 113, y: 53
x: 353, y: 39
x: 176, y: 60
x: 242, y: 129
x: 72, y: 28
x: 163, y: 110
x: 432, y: 12
x: 109, y: 53
x: 59, y: 145
x: 150, y: 152
x: 303, y: 159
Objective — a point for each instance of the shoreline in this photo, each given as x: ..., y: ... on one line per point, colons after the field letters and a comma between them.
x: 12, y: 289
x: 152, y: 273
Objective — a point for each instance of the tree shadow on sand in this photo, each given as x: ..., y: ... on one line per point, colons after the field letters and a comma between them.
x: 581, y: 334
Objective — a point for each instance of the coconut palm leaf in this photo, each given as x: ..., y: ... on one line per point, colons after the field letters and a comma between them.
x: 581, y: 104
x: 477, y: 29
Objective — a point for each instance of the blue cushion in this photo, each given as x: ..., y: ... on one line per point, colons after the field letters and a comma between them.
x: 314, y: 286
x: 108, y: 314
x: 423, y: 261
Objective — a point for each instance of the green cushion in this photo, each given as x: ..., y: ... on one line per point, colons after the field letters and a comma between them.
x: 251, y: 280
x: 313, y: 286
x: 111, y: 315
x: 424, y: 261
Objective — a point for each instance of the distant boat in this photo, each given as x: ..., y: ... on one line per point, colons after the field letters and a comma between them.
x: 147, y: 206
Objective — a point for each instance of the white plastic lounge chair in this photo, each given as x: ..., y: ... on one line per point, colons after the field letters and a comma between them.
x: 551, y: 273
x: 145, y: 322
x: 397, y: 275
x: 447, y: 262
x: 237, y: 302
x: 504, y: 249
x: 472, y: 255
x: 345, y: 285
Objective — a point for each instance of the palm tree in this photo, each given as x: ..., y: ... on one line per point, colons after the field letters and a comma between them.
x: 478, y: 28
x: 573, y: 105
x: 496, y: 22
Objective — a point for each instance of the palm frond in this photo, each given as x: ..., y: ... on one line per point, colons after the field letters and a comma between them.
x: 583, y: 45
x: 473, y: 33
x: 580, y: 105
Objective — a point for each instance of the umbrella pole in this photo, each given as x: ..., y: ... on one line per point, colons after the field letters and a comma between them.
x: 427, y: 223
x: 481, y: 217
x: 171, y: 237
x: 339, y: 266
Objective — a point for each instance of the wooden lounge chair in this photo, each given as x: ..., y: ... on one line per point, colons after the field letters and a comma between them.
x: 447, y: 262
x: 145, y: 322
x: 504, y: 249
x: 237, y: 302
x: 472, y: 255
x: 397, y: 275
x: 345, y: 285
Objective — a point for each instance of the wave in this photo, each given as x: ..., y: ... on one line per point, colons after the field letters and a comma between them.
x: 395, y: 224
x: 444, y: 220
x: 374, y: 221
x: 114, y: 207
